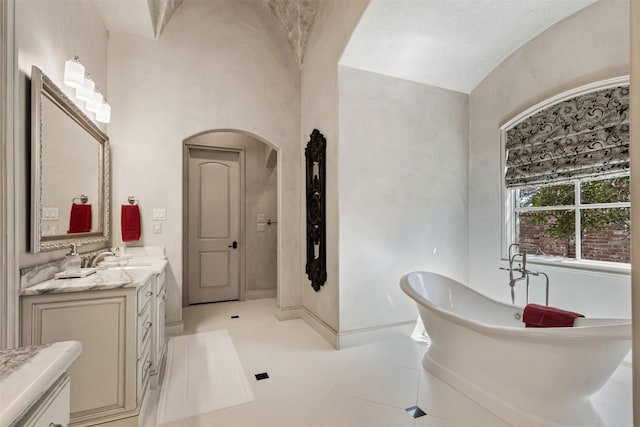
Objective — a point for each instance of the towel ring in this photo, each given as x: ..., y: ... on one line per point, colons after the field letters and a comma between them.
x: 83, y: 199
x: 132, y: 200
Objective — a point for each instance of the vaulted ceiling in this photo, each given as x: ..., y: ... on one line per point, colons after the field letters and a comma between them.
x: 296, y: 19
x: 147, y: 18
x: 451, y: 44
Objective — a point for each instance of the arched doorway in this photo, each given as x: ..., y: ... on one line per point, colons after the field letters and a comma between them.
x: 230, y: 211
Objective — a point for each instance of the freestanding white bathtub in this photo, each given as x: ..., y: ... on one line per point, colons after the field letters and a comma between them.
x: 527, y: 376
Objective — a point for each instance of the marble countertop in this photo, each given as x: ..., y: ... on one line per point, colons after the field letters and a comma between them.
x: 126, y: 274
x: 26, y: 373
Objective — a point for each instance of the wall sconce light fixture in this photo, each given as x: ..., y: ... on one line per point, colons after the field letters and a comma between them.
x: 104, y: 114
x: 86, y: 91
x: 73, y: 73
x: 95, y: 102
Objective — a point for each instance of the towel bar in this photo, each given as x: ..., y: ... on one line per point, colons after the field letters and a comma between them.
x: 83, y: 199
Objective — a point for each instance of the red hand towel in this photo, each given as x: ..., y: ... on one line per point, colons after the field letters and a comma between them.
x: 541, y: 316
x: 80, y: 218
x: 130, y: 222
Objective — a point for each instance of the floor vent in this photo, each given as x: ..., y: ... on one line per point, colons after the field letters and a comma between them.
x: 415, y: 412
x: 262, y: 376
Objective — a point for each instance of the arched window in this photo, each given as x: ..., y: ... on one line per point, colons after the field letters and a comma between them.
x: 566, y: 174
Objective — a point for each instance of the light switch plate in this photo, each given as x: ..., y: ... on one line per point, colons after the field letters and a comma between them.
x: 50, y: 214
x: 261, y: 217
x: 261, y: 226
x: 157, y: 227
x: 159, y: 214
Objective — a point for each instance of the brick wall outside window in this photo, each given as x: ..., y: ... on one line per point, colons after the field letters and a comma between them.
x: 610, y: 245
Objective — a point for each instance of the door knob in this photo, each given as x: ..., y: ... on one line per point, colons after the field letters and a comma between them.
x: 234, y: 245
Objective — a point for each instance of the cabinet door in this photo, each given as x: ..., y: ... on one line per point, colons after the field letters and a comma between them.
x: 101, y: 377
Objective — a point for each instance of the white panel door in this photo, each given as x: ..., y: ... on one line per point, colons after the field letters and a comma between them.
x: 213, y: 226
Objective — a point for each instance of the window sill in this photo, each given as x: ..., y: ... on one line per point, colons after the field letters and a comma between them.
x: 583, y: 265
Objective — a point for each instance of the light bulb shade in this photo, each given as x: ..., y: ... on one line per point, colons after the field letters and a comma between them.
x: 73, y: 73
x: 85, y: 92
x: 95, y: 103
x: 104, y: 113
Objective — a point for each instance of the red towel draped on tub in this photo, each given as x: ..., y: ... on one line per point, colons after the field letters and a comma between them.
x: 541, y: 316
x: 80, y: 218
x: 130, y: 222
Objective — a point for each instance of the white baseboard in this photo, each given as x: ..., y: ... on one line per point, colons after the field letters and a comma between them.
x: 362, y: 336
x: 174, y: 329
x: 260, y: 294
x: 347, y: 338
x: 299, y: 312
x: 288, y: 313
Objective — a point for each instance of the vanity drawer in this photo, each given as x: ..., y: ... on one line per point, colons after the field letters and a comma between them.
x: 144, y: 368
x: 144, y: 331
x: 144, y: 295
x: 161, y: 279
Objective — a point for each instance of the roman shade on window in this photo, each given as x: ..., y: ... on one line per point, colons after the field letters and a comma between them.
x: 581, y: 137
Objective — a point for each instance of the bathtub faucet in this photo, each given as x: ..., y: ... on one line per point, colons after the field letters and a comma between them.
x: 518, y: 250
x: 546, y: 284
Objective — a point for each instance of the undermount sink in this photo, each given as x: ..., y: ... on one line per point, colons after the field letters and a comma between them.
x: 127, y: 267
x: 134, y: 273
x: 108, y: 278
x: 103, y: 278
x: 124, y: 263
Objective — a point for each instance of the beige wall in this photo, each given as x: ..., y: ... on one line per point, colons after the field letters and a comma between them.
x: 8, y: 247
x: 589, y: 46
x: 47, y: 34
x: 333, y: 26
x: 262, y: 197
x: 403, y: 192
x: 217, y: 65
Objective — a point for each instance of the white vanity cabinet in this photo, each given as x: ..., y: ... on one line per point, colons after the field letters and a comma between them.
x: 159, y: 340
x: 52, y: 410
x: 34, y: 384
x: 145, y: 335
x: 110, y: 378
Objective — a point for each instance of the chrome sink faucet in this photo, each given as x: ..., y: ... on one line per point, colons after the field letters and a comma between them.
x: 99, y: 257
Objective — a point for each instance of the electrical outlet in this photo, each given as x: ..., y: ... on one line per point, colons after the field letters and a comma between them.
x: 157, y: 227
x: 261, y: 217
x: 261, y: 226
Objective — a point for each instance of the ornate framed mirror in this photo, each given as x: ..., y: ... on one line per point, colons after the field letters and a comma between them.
x: 70, y: 172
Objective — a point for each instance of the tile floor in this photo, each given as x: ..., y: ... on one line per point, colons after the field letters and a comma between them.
x: 311, y: 384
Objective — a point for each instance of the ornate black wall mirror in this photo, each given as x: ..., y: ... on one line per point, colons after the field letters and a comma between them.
x: 316, y: 267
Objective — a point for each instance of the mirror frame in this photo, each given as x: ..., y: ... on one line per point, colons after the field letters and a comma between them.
x: 42, y: 87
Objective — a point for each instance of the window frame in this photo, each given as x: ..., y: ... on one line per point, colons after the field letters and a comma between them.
x: 508, y: 201
x: 577, y: 207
